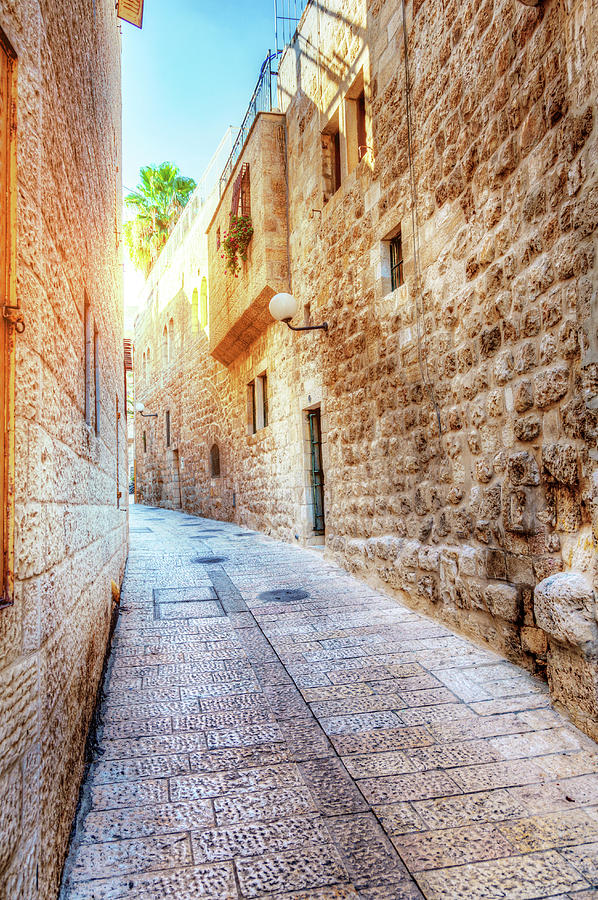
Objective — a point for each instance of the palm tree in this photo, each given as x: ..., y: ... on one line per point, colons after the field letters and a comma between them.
x: 159, y: 200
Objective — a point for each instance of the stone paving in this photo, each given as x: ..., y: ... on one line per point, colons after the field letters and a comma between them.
x: 273, y: 727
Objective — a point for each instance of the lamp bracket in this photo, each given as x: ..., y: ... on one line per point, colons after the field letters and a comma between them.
x: 323, y: 326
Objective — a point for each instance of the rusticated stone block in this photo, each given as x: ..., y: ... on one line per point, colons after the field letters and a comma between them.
x: 565, y: 608
x: 533, y: 640
x: 523, y: 469
x: 519, y: 510
x: 551, y: 385
x: 18, y: 710
x: 560, y: 461
x: 496, y: 564
x: 527, y: 429
x: 503, y: 601
x: 10, y: 813
x: 573, y: 680
x: 523, y: 396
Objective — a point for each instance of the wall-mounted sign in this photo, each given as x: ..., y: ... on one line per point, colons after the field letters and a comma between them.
x: 131, y: 11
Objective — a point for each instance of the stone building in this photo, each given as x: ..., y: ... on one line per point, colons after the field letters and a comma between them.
x: 181, y: 434
x: 64, y: 509
x: 428, y: 187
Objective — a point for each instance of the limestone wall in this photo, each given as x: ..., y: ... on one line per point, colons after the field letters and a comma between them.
x: 499, y: 346
x: 177, y: 375
x: 459, y: 410
x: 71, y: 530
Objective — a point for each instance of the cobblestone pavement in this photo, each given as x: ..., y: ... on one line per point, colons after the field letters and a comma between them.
x: 274, y: 727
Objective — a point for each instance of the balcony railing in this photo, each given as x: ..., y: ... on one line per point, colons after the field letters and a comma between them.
x: 287, y: 15
x: 263, y: 100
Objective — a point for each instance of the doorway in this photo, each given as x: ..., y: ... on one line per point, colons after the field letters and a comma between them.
x: 316, y: 470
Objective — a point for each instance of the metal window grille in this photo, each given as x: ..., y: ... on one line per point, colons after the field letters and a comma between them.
x: 265, y: 398
x: 245, y: 191
x: 215, y: 461
x: 241, y: 200
x: 396, y: 262
x: 251, y: 400
x: 96, y: 378
x: 362, y: 140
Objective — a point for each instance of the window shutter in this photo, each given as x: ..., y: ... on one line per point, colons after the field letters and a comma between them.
x: 130, y: 11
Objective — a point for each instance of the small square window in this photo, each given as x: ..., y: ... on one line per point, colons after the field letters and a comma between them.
x: 396, y: 262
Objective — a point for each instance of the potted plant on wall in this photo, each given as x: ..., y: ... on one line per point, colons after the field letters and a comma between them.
x: 235, y: 243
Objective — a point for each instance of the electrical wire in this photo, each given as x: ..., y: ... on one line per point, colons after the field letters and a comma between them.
x: 419, y: 300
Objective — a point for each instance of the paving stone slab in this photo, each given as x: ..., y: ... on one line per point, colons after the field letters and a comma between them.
x: 557, y: 795
x: 227, y: 719
x: 367, y: 854
x: 233, y: 781
x: 155, y: 766
x: 266, y: 806
x: 401, y: 890
x: 485, y: 806
x: 518, y: 878
x: 333, y: 892
x: 331, y: 786
x: 142, y: 821
x: 309, y: 867
x: 381, y: 739
x: 499, y: 775
x: 244, y: 737
x: 238, y: 758
x: 371, y: 765
x: 129, y: 793
x: 126, y: 712
x: 399, y: 818
x: 356, y: 705
x: 215, y: 764
x: 452, y: 847
x: 147, y: 746
x: 562, y: 829
x: 585, y: 859
x: 122, y: 857
x: 353, y: 724
x: 414, y: 786
x: 258, y: 838
x: 211, y: 882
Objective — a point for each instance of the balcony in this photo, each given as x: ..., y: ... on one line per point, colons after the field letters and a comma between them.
x: 239, y: 305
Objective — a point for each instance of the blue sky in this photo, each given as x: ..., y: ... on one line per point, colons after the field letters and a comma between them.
x: 188, y: 75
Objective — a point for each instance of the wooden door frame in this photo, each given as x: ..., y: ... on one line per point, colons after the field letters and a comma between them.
x: 11, y: 320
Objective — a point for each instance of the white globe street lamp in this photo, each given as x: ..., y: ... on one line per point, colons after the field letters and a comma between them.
x: 284, y: 306
x: 140, y: 407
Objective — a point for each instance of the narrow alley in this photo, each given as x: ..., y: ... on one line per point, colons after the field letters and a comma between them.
x: 272, y: 726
